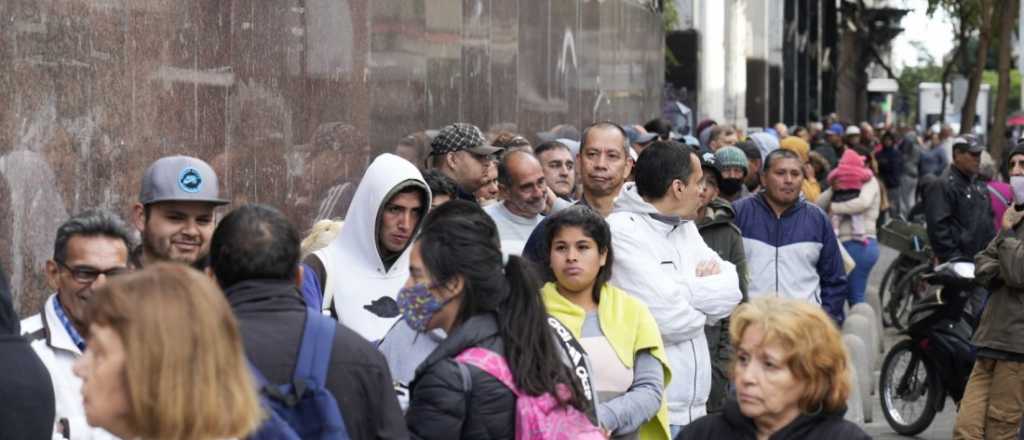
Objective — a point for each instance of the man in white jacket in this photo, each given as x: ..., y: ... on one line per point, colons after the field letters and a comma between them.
x: 89, y: 248
x: 661, y: 259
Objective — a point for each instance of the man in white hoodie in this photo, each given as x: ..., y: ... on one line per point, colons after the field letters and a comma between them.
x: 661, y: 259
x: 356, y: 277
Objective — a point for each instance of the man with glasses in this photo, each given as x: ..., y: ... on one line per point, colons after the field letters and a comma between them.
x: 461, y: 152
x: 89, y: 248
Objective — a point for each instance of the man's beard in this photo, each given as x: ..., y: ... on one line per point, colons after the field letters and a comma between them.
x: 150, y: 247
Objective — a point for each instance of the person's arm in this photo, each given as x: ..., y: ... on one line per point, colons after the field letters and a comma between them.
x: 387, y: 412
x: 943, y: 230
x: 638, y: 272
x: 867, y: 199
x: 986, y: 263
x: 714, y: 295
x: 628, y: 412
x: 738, y: 257
x: 1011, y: 259
x: 832, y: 275
x: 437, y: 406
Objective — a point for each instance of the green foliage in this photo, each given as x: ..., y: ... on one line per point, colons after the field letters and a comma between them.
x: 669, y: 18
x: 991, y: 77
x: 911, y: 77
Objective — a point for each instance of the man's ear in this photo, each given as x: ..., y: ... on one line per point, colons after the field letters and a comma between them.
x: 299, y: 272
x: 52, y: 275
x: 139, y: 216
x: 449, y: 159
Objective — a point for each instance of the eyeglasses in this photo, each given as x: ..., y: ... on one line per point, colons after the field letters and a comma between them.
x: 88, y: 275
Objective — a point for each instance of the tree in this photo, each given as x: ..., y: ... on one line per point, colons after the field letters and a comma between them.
x: 964, y: 13
x: 1007, y: 19
x: 984, y: 25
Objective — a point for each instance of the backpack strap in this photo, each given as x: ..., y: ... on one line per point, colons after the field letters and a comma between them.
x: 492, y: 363
x: 314, y: 350
x: 998, y: 195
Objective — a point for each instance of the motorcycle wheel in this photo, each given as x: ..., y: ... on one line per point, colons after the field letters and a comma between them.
x: 908, y: 389
x: 908, y: 291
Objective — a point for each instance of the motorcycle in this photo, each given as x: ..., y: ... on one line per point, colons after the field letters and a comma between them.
x: 936, y: 357
x: 901, y: 284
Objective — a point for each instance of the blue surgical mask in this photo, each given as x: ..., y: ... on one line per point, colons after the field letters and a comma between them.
x: 418, y: 306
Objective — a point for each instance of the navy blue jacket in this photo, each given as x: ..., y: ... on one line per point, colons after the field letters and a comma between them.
x: 796, y: 255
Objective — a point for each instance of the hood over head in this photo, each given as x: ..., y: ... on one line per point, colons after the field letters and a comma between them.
x: 796, y: 145
x: 851, y: 158
x: 386, y: 176
x: 766, y: 142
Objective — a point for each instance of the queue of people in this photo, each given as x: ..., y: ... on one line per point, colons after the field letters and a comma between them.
x: 654, y: 289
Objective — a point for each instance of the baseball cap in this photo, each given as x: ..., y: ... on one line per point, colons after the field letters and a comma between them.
x: 852, y: 130
x: 972, y: 144
x: 461, y: 136
x: 636, y: 137
x: 1019, y: 149
x: 836, y: 129
x: 180, y: 178
x: 709, y: 163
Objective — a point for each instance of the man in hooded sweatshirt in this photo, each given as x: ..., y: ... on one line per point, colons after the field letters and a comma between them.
x: 662, y: 260
x: 356, y: 277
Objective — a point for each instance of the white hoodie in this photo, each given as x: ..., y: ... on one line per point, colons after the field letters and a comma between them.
x: 656, y: 261
x: 359, y: 287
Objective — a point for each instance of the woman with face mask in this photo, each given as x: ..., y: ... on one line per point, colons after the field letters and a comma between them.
x: 458, y: 283
x: 617, y: 330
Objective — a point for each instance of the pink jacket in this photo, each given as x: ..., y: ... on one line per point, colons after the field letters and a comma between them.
x: 850, y: 173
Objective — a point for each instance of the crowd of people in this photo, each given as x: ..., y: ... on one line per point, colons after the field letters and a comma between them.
x: 622, y: 281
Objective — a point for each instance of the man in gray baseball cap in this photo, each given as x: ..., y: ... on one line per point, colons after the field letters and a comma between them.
x: 174, y: 213
x: 461, y: 152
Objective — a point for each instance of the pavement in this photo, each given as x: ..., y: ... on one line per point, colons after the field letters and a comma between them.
x: 942, y: 426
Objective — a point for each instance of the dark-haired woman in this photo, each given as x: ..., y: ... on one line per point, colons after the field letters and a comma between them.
x: 617, y: 331
x: 456, y: 284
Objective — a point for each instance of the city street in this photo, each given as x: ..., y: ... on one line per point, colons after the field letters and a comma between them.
x: 942, y: 426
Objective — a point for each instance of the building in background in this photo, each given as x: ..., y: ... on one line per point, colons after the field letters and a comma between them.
x: 757, y: 62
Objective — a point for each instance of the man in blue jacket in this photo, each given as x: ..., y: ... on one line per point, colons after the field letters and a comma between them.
x: 790, y: 246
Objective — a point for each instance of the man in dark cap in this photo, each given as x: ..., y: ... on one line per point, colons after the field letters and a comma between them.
x: 461, y: 152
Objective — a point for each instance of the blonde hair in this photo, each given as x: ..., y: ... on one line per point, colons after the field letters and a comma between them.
x: 321, y: 235
x: 185, y: 371
x: 815, y: 352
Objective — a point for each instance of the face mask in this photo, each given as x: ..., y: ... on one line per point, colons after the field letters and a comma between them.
x: 1017, y: 182
x: 730, y: 187
x: 418, y: 306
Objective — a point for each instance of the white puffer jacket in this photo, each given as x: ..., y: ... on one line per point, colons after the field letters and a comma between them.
x: 54, y: 346
x: 656, y: 261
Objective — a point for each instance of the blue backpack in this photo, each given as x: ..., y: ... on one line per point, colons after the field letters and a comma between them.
x: 303, y: 409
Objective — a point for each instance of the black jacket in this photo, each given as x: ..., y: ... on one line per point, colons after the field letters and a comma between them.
x: 959, y: 216
x: 442, y: 407
x: 732, y: 424
x: 271, y: 314
x: 27, y: 409
x: 890, y: 166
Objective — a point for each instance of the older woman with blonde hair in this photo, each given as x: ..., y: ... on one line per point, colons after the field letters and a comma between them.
x: 791, y: 373
x: 165, y: 359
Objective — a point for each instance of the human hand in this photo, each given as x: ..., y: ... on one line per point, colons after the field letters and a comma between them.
x: 549, y: 200
x: 707, y: 268
x: 1011, y: 217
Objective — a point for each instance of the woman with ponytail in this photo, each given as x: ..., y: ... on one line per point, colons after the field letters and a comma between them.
x: 458, y: 283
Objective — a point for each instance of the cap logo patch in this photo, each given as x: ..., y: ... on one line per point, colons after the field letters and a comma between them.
x: 709, y: 158
x: 189, y: 180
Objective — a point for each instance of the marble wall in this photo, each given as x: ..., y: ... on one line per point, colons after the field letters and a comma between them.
x: 285, y: 98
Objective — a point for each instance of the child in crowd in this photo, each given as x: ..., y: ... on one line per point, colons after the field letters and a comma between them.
x: 846, y: 181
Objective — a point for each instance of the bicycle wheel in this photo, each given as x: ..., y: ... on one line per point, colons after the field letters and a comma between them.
x: 908, y: 389
x: 892, y: 276
x: 909, y: 290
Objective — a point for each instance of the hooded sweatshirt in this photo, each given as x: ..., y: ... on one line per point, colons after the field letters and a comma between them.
x: 362, y: 281
x: 656, y: 257
x: 850, y: 173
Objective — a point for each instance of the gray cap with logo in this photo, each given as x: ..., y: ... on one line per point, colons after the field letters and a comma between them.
x: 180, y: 179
